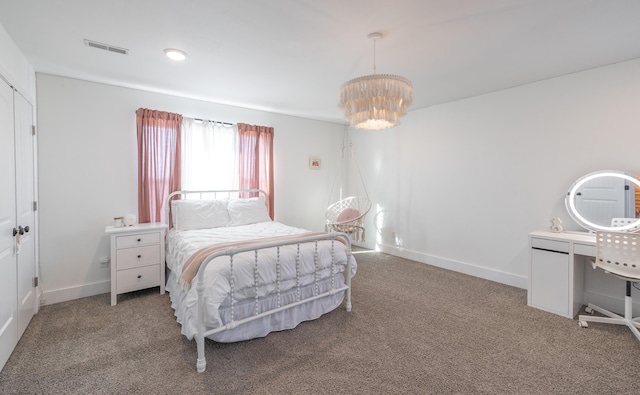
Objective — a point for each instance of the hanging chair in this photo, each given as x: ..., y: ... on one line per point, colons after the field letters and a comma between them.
x: 346, y: 214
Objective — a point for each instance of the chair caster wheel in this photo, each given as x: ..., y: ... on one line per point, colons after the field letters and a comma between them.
x: 589, y: 310
x: 583, y: 324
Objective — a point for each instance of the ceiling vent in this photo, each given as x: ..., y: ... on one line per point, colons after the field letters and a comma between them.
x: 106, y: 47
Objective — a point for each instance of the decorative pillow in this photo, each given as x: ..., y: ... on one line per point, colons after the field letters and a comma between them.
x: 199, y: 214
x: 348, y: 214
x: 247, y: 211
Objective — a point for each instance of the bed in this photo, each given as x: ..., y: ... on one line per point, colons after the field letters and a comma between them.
x: 234, y: 274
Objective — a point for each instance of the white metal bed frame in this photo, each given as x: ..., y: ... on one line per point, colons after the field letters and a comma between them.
x: 201, y: 362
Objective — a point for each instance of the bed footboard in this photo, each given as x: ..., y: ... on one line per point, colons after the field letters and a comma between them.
x: 337, y: 240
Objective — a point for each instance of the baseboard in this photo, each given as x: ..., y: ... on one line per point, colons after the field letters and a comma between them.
x: 457, y: 266
x: 77, y: 292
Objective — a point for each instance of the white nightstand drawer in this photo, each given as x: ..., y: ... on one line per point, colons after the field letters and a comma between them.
x: 138, y: 278
x: 138, y: 256
x: 137, y: 240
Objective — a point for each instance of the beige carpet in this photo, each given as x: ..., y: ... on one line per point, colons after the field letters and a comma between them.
x: 414, y: 329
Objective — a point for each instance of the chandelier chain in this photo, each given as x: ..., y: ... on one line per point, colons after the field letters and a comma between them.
x: 374, y: 56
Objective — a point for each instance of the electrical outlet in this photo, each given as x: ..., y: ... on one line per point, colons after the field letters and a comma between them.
x: 104, y: 262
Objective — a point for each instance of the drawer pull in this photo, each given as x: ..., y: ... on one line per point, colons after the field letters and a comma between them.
x: 139, y: 240
x: 139, y: 276
x: 139, y: 256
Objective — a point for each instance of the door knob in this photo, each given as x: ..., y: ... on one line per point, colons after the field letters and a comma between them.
x: 15, y: 232
x: 20, y: 230
x: 26, y: 228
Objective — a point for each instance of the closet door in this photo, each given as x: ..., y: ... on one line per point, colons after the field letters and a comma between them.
x: 8, y: 294
x: 25, y: 215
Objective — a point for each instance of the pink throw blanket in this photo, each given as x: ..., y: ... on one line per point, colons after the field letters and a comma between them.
x: 192, y: 265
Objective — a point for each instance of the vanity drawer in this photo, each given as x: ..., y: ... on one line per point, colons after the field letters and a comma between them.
x: 137, y: 240
x: 551, y: 245
x: 138, y: 256
x: 137, y: 278
x: 584, y: 249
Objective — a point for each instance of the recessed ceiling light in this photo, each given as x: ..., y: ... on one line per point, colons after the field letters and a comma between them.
x: 175, y: 54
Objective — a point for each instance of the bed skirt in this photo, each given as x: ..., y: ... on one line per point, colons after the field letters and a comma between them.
x: 286, y: 319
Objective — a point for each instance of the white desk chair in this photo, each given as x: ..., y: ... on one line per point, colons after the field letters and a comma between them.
x: 617, y: 253
x: 618, y: 222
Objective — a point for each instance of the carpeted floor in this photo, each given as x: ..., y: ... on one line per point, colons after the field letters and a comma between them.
x: 414, y: 329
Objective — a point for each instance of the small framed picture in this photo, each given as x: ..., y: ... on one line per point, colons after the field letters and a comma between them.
x: 314, y: 163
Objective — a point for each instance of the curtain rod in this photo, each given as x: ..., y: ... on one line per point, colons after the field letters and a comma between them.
x: 195, y: 119
x: 202, y: 120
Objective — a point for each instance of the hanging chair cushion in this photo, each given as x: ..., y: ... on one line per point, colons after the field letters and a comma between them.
x: 347, y: 215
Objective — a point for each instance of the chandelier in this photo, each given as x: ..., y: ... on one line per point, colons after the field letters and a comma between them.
x: 376, y: 101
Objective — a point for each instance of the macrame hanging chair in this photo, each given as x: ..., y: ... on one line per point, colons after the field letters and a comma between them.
x: 348, y: 201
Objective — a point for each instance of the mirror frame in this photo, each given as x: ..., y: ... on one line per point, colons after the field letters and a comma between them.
x: 569, y: 201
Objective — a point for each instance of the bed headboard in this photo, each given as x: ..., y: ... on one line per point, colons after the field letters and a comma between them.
x: 211, y: 195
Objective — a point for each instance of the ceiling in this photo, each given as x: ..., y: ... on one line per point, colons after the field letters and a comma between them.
x: 291, y: 56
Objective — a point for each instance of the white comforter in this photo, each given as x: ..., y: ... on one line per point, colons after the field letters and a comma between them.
x: 180, y: 246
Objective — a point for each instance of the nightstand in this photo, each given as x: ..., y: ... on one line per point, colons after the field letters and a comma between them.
x: 137, y: 258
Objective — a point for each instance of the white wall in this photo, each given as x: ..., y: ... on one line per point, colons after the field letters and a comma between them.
x: 15, y: 68
x: 461, y: 185
x: 88, y: 172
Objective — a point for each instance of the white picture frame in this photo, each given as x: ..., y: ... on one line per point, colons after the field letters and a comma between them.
x: 315, y: 163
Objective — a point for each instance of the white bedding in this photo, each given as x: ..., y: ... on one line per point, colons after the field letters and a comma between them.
x: 181, y: 244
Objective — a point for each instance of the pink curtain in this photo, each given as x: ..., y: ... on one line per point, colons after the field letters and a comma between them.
x: 158, y: 161
x: 256, y: 159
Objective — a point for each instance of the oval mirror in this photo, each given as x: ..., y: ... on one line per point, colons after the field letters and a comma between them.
x: 605, y: 200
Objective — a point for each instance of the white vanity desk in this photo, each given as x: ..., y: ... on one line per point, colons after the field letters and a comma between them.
x: 599, y: 201
x: 556, y: 270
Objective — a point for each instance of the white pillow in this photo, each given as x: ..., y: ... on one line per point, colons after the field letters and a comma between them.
x: 199, y: 214
x: 247, y: 211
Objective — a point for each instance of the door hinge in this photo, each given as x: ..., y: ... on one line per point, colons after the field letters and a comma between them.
x: 36, y: 281
x: 35, y: 206
x: 33, y: 130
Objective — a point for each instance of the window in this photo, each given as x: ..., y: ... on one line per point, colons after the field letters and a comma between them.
x: 209, y: 155
x: 176, y: 153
